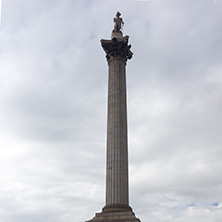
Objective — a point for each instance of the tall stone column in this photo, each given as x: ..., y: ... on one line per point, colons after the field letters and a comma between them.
x: 117, y: 147
x: 117, y: 207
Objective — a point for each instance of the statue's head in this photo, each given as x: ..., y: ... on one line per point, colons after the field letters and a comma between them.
x: 118, y: 14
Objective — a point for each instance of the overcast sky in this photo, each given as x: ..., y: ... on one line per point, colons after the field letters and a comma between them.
x: 53, y: 105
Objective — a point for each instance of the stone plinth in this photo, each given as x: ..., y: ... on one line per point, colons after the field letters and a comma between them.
x: 117, y: 35
x: 118, y: 213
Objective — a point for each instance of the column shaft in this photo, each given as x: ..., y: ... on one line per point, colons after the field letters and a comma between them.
x: 117, y: 148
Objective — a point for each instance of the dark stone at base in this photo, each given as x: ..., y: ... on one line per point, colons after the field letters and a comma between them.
x: 115, y: 213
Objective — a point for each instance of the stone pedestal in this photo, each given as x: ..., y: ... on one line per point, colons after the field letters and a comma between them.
x: 118, y: 214
x: 117, y: 35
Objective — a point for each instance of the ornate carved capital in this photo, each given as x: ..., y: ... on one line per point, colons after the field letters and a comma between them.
x: 117, y: 48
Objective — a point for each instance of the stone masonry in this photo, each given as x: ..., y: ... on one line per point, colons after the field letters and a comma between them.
x: 117, y: 207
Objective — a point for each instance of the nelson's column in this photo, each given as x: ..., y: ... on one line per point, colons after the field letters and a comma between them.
x: 117, y: 207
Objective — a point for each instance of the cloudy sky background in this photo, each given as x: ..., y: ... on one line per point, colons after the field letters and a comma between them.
x: 53, y: 97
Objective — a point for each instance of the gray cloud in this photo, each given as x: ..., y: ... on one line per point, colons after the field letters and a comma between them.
x: 53, y: 84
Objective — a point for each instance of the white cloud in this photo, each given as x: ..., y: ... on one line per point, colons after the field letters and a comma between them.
x: 53, y: 88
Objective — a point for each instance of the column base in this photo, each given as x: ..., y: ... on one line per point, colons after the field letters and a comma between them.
x: 115, y: 213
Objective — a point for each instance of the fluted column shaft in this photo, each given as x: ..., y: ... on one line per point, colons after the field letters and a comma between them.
x: 117, y: 148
